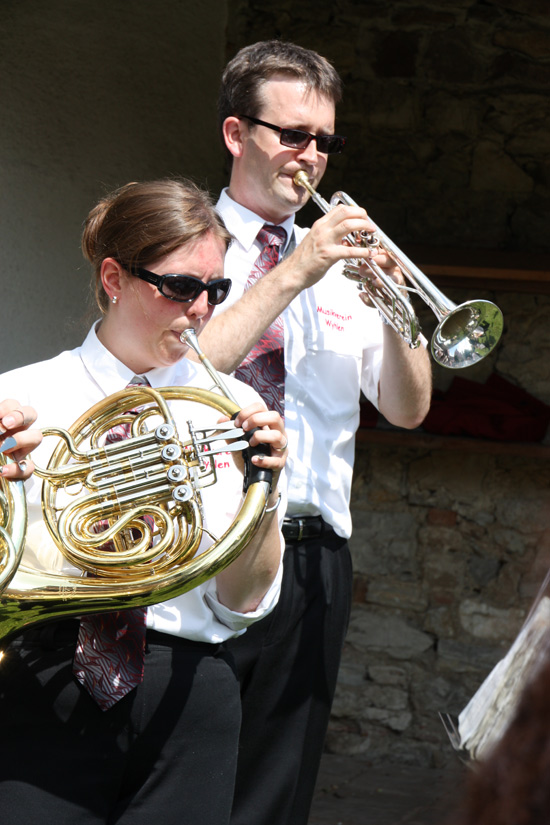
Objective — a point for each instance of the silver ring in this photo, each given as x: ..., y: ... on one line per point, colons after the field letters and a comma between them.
x: 283, y: 448
x: 22, y: 465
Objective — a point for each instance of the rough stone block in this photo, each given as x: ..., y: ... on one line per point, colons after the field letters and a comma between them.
x: 388, y: 633
x: 387, y: 675
x: 486, y: 622
x: 399, y: 594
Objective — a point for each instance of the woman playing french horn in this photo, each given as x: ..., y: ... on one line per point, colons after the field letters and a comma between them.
x: 166, y: 750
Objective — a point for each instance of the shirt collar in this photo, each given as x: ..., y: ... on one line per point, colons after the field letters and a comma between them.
x: 245, y: 224
x: 111, y: 375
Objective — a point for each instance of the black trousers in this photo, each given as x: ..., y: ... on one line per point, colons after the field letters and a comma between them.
x: 288, y: 666
x: 165, y: 753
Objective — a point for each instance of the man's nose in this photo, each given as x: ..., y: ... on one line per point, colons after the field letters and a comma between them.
x: 309, y: 152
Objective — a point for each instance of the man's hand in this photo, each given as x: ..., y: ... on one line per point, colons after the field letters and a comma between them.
x: 373, y: 281
x: 325, y: 244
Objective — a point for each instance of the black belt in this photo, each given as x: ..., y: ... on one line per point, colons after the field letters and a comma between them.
x: 305, y: 527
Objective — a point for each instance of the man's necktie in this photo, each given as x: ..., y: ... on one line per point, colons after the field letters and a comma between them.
x: 264, y: 366
x: 110, y: 650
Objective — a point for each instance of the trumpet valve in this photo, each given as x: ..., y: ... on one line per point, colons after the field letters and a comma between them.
x: 353, y: 273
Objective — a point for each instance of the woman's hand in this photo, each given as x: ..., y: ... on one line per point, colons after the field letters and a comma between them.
x: 16, y: 439
x: 270, y: 430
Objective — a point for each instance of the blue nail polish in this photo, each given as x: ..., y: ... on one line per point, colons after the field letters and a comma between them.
x: 8, y: 444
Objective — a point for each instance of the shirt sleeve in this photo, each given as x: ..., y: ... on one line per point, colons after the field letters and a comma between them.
x: 238, y: 622
x: 373, y: 352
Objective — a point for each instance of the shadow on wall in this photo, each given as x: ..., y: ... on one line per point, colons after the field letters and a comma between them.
x: 94, y: 96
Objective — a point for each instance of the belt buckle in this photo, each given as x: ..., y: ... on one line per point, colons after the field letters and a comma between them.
x: 301, y: 523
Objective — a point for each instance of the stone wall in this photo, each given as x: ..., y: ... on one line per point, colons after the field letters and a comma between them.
x: 445, y: 110
x: 449, y: 550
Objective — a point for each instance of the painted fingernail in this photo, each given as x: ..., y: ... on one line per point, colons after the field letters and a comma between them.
x: 8, y: 444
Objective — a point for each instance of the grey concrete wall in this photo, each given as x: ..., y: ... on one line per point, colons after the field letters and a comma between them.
x: 92, y: 95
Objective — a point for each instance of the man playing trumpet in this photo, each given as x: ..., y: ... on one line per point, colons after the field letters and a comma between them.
x: 318, y: 347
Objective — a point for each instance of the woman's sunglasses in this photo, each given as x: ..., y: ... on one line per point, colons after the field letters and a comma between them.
x: 184, y: 288
x: 297, y: 139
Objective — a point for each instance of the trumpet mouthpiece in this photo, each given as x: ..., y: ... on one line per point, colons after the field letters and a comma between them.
x: 301, y: 179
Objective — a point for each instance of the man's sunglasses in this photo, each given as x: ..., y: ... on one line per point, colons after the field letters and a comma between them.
x: 297, y: 139
x: 184, y: 288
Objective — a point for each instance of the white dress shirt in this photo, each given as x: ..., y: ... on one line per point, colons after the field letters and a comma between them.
x: 64, y: 387
x: 333, y: 349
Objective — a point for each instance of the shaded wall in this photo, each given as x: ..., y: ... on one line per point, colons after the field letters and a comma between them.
x: 93, y: 95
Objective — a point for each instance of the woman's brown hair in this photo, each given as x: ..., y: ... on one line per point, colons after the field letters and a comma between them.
x: 141, y: 222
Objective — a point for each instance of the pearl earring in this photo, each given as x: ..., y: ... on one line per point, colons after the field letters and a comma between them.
x: 114, y: 299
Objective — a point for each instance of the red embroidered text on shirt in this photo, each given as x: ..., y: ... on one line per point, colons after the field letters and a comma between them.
x: 219, y: 463
x: 333, y: 319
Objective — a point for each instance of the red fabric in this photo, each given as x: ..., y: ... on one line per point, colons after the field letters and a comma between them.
x: 496, y: 410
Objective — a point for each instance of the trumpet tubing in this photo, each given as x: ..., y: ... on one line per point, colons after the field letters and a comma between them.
x: 465, y: 334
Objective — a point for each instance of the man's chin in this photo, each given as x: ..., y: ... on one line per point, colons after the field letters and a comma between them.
x: 289, y: 199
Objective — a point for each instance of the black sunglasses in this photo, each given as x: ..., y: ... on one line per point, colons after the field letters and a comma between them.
x: 297, y: 139
x: 184, y: 288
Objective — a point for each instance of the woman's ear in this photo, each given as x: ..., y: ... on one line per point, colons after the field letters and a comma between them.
x: 111, y: 277
x: 233, y: 134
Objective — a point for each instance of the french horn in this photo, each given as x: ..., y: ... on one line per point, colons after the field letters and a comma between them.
x: 13, y: 523
x: 464, y: 335
x: 128, y: 514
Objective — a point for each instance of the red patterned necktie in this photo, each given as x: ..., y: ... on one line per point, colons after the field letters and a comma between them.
x: 264, y: 366
x: 110, y: 651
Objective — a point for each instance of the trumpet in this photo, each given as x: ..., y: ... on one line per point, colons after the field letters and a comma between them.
x: 465, y: 334
x: 128, y: 514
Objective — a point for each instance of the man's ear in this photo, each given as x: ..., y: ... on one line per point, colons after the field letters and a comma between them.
x: 234, y: 131
x: 111, y: 276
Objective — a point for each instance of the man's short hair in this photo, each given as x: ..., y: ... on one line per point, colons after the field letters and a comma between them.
x: 253, y: 65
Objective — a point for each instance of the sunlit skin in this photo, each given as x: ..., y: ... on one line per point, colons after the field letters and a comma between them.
x: 263, y: 169
x: 15, y: 419
x: 262, y: 180
x: 143, y: 328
